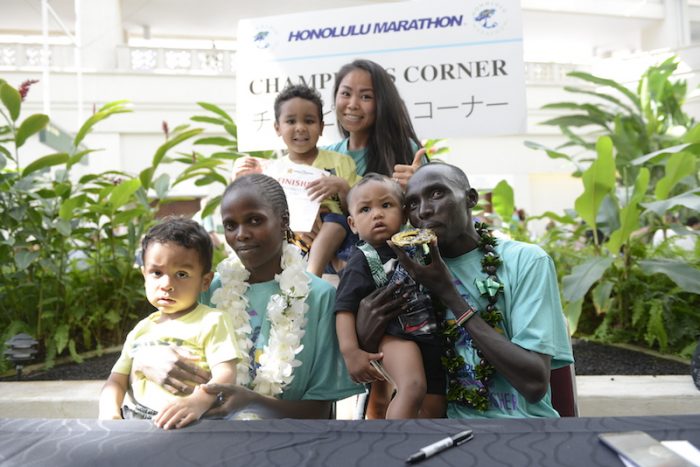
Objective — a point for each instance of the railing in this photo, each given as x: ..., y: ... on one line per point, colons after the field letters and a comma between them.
x: 139, y: 59
x: 29, y: 56
x: 150, y: 59
x: 550, y: 73
x: 198, y: 61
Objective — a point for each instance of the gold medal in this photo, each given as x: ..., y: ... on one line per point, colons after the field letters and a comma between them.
x: 413, y: 237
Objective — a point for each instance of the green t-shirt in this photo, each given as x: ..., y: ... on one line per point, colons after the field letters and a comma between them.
x: 322, y: 374
x: 532, y: 319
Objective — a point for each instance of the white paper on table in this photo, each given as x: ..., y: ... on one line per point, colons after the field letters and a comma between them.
x: 294, y: 178
x: 682, y: 448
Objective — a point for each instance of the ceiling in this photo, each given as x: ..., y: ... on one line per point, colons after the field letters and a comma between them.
x: 168, y: 18
x: 578, y: 27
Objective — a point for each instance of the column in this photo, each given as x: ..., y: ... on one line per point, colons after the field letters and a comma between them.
x: 100, y: 30
x: 673, y: 32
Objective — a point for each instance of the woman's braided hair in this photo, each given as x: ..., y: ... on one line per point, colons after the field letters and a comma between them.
x: 267, y: 189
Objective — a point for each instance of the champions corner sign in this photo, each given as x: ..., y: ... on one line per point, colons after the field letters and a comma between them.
x: 458, y: 64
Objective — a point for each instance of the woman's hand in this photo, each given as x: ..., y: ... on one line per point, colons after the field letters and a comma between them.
x: 402, y: 172
x: 172, y: 367
x: 239, y: 399
x: 235, y: 398
x: 326, y: 186
x: 374, y: 313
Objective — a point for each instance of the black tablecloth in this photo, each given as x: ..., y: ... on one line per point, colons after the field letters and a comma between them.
x: 542, y: 442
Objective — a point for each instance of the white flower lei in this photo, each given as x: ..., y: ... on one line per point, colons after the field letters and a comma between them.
x: 286, y: 312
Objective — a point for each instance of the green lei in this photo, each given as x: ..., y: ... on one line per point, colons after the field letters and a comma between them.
x: 476, y: 397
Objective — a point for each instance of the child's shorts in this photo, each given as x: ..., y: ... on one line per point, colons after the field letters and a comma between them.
x: 435, y: 377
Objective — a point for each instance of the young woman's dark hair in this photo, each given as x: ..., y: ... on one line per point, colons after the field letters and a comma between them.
x: 392, y: 135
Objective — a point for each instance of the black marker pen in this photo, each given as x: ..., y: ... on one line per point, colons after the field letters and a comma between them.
x: 439, y: 446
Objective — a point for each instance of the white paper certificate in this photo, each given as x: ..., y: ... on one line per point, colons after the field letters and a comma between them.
x: 294, y: 178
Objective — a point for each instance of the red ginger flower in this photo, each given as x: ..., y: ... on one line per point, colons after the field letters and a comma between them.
x: 24, y: 87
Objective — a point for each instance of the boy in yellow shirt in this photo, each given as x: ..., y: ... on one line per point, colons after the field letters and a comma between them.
x: 177, y: 260
x: 299, y: 121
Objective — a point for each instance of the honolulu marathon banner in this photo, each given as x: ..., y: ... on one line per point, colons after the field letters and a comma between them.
x: 458, y: 64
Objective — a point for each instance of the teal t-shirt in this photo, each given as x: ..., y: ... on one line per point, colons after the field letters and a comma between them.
x: 322, y: 374
x: 360, y: 155
x: 532, y: 319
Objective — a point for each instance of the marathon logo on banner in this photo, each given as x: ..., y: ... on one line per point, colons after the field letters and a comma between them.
x: 376, y: 28
x: 458, y: 64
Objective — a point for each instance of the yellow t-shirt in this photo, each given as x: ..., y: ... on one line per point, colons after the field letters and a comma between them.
x: 206, y: 332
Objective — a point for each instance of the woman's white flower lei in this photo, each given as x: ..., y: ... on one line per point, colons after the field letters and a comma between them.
x: 286, y: 312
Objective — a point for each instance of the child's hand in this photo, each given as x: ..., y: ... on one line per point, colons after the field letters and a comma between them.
x: 360, y: 368
x: 323, y: 187
x: 246, y: 165
x: 182, y: 412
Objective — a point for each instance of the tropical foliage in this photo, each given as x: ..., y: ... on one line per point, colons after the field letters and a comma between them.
x: 637, y: 156
x: 68, y: 243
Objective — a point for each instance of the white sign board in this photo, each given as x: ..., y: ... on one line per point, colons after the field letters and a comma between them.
x: 458, y: 64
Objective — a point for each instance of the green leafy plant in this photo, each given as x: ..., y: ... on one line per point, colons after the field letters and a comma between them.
x: 67, y: 243
x: 213, y: 167
x: 638, y: 161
